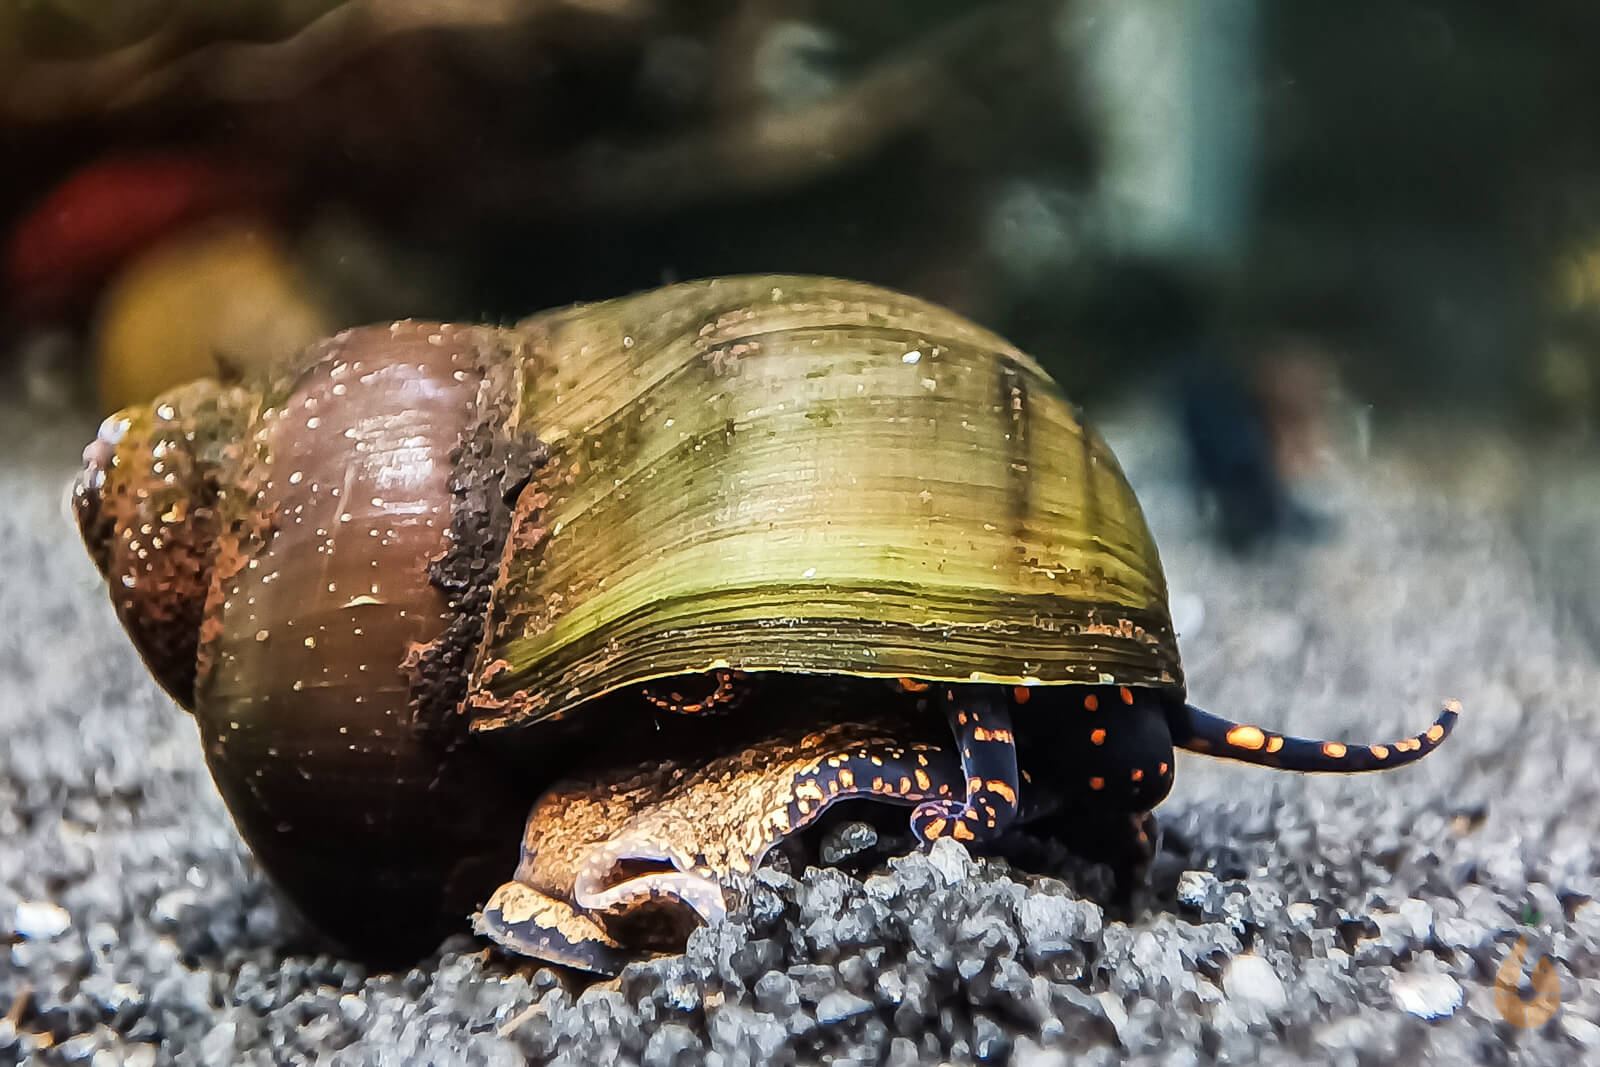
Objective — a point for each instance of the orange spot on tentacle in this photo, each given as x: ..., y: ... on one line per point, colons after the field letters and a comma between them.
x: 1097, y: 783
x: 935, y: 828
x: 1162, y: 769
x: 1098, y: 737
x: 1274, y: 744
x: 922, y: 778
x: 1380, y: 751
x: 962, y: 832
x: 1091, y: 702
x: 1021, y: 694
x: 1333, y: 749
x: 911, y: 685
x: 1127, y: 695
x: 1435, y: 733
x: 1004, y: 790
x: 847, y: 779
x: 1247, y: 737
x: 1138, y: 774
x: 982, y: 733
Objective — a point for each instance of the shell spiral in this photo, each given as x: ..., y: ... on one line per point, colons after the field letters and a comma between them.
x: 346, y: 769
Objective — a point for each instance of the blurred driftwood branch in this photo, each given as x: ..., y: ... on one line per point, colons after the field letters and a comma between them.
x: 168, y: 60
x: 498, y: 139
x: 932, y: 83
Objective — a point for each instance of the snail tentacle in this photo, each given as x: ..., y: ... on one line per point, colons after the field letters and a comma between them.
x: 1212, y: 735
x: 989, y: 797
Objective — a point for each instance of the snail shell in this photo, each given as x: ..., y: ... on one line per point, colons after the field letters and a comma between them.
x: 802, y: 474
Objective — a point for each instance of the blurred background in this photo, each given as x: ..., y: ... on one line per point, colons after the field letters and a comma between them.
x: 1286, y: 232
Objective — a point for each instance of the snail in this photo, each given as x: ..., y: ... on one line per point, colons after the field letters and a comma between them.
x: 787, y: 538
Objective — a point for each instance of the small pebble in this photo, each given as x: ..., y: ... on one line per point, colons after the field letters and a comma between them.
x: 1427, y: 996
x: 836, y: 1006
x: 846, y: 839
x: 1251, y: 979
x: 40, y: 919
x: 1201, y: 891
x: 1580, y: 1030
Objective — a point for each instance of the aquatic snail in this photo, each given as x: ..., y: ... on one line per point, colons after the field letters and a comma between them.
x: 789, y: 538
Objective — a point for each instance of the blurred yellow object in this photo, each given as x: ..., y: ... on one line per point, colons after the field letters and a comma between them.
x: 1566, y: 379
x: 1578, y: 280
x: 224, y: 296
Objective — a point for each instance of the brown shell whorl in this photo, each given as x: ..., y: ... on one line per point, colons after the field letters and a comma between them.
x: 358, y: 793
x: 148, y: 506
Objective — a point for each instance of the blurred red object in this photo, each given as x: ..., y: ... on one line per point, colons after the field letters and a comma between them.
x: 93, y: 221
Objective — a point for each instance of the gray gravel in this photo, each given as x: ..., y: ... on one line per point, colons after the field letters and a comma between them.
x: 1340, y: 920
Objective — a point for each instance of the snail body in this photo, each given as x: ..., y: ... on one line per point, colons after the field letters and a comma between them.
x: 438, y: 568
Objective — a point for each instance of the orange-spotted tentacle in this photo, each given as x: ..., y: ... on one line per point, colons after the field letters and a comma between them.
x: 1212, y: 735
x: 989, y: 801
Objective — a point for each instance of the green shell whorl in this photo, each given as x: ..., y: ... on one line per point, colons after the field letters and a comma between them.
x: 803, y: 474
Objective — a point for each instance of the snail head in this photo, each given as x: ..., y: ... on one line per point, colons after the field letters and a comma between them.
x: 147, y: 506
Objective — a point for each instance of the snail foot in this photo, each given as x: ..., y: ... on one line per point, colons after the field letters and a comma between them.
x: 526, y: 922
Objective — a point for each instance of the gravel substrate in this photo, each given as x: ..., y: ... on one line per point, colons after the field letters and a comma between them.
x: 1344, y: 920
